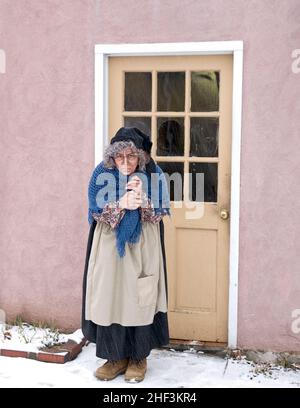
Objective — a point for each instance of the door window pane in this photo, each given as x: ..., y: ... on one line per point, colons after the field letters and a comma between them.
x: 204, y: 137
x: 205, y: 91
x: 176, y: 180
x: 144, y: 124
x: 171, y: 91
x: 138, y: 91
x: 170, y: 137
x: 210, y: 171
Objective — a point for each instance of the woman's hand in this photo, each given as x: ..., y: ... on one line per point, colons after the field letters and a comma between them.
x: 135, y: 184
x: 132, y: 199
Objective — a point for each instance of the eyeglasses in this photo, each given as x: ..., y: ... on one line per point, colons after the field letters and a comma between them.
x: 130, y: 157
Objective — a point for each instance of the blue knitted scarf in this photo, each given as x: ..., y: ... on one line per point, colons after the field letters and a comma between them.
x: 107, y: 185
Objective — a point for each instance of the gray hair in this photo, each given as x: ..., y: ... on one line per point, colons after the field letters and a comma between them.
x: 112, y: 149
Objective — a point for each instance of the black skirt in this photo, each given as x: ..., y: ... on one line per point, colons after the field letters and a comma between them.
x: 116, y: 342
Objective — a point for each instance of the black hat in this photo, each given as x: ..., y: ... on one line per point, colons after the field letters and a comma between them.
x: 139, y: 138
x: 141, y: 141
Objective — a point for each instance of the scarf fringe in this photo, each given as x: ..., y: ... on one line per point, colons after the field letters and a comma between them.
x: 134, y: 238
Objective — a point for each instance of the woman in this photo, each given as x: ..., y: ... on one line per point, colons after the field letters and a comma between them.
x: 124, y: 308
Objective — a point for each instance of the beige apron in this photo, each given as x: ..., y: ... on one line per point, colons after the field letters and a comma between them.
x: 128, y: 290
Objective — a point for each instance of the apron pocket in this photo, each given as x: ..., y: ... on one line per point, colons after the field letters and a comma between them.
x: 147, y: 290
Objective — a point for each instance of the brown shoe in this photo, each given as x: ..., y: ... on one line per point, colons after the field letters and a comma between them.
x: 111, y: 369
x: 136, y: 370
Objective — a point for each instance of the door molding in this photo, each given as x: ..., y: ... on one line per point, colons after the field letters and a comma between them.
x: 102, y: 54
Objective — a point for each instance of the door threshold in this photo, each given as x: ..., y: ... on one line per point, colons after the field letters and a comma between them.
x: 210, y: 347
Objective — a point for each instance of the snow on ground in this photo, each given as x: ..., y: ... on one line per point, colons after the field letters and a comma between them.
x: 26, y: 337
x: 166, y: 368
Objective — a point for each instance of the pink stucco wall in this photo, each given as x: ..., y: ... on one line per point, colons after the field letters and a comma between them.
x: 47, y: 148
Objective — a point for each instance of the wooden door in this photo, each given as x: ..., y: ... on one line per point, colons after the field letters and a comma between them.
x: 185, y: 103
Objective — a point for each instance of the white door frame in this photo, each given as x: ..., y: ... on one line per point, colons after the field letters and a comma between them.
x: 102, y: 54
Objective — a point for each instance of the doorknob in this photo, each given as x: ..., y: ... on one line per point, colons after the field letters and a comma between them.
x: 224, y: 214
